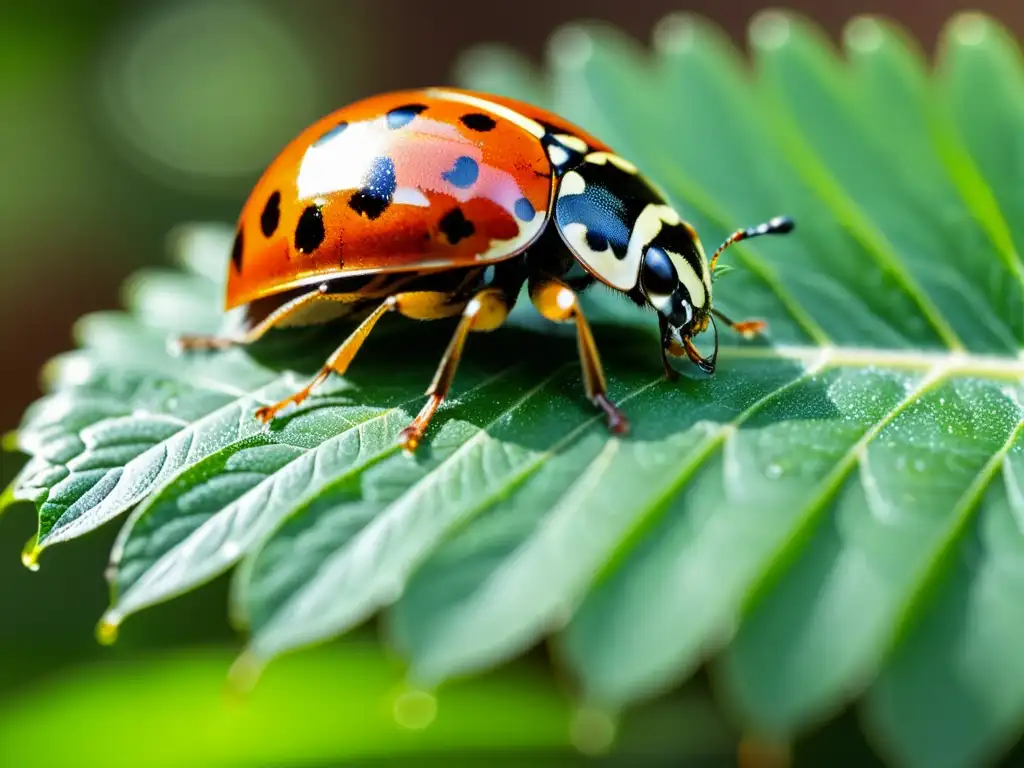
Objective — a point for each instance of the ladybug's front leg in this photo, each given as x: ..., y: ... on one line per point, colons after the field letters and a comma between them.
x: 748, y: 329
x: 558, y: 302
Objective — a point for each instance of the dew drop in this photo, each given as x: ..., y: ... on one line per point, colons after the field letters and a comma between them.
x: 773, y: 471
x: 949, y: 430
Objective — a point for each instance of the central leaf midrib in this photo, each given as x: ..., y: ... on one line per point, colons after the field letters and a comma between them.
x: 954, y: 363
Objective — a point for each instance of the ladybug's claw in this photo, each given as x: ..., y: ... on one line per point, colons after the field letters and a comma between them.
x: 267, y: 413
x: 617, y: 422
x: 410, y: 437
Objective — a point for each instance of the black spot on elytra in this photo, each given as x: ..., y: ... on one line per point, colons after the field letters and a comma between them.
x: 402, y: 116
x: 271, y: 214
x: 236, y: 251
x: 478, y: 121
x: 339, y: 128
x: 463, y: 173
x: 524, y: 209
x: 456, y: 226
x: 309, y: 232
x: 378, y: 189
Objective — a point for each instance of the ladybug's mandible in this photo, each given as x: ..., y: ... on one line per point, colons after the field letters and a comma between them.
x: 440, y: 202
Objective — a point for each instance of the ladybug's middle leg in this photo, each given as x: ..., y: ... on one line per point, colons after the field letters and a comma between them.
x: 486, y: 311
x: 558, y: 302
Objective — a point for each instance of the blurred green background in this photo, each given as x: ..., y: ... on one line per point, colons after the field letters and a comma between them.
x: 119, y: 120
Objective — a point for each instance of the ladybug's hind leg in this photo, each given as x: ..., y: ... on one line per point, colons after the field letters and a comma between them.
x: 257, y: 331
x: 337, y: 362
x: 486, y: 311
x: 558, y: 302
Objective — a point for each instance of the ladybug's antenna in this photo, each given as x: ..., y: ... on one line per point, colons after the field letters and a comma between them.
x: 780, y: 225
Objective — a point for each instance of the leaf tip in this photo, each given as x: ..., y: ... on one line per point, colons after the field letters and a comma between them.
x: 414, y: 709
x: 243, y: 675
x: 9, y: 442
x: 30, y: 554
x: 107, y: 628
x: 592, y: 731
x: 676, y: 33
x: 770, y: 30
x: 970, y: 28
x: 571, y: 47
x: 864, y: 34
x: 7, y: 497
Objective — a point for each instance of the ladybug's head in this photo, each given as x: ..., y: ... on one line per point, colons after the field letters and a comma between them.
x: 675, y: 278
x: 675, y: 282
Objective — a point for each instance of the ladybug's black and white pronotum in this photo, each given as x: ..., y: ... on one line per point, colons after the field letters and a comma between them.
x: 441, y: 203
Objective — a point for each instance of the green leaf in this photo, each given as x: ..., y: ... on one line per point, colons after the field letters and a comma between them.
x: 834, y: 518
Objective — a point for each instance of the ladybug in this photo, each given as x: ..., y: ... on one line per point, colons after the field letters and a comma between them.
x: 439, y: 203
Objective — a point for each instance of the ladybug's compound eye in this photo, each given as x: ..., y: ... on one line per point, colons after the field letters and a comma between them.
x: 659, y: 275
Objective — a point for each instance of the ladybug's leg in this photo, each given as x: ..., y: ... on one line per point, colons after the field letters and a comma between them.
x: 337, y: 362
x: 558, y: 302
x: 421, y: 305
x: 250, y: 335
x: 747, y: 328
x: 484, y: 312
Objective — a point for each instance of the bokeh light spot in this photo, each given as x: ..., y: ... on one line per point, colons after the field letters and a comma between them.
x: 207, y: 92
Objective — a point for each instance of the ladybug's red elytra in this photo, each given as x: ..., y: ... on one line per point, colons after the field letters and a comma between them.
x: 441, y: 202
